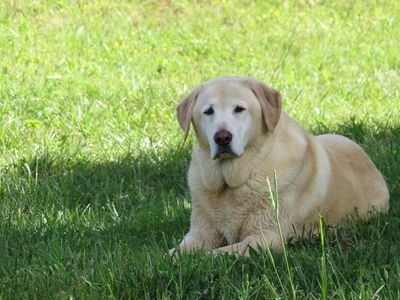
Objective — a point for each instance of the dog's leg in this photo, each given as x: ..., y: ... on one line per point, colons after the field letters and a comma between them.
x: 201, y: 236
x: 197, y: 241
x: 259, y: 241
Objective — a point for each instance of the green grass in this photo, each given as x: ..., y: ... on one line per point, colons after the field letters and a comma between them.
x: 92, y: 167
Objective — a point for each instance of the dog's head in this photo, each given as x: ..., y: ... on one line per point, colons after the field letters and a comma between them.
x: 228, y: 113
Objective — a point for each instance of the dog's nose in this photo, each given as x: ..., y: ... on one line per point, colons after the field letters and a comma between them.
x: 223, y: 138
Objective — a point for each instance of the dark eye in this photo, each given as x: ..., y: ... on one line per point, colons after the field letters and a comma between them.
x: 239, y: 109
x: 209, y: 111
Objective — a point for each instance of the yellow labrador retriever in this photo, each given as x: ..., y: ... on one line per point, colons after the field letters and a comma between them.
x: 242, y: 138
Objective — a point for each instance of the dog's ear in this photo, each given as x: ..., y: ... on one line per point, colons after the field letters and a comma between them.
x: 270, y: 101
x: 184, y: 112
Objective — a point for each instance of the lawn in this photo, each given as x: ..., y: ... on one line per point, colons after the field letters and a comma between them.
x: 93, y: 186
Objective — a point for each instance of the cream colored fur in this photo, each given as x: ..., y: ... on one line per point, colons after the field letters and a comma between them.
x: 327, y: 175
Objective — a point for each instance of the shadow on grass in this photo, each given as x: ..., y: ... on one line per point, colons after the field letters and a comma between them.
x: 147, y: 195
x: 93, y: 217
x: 135, y: 198
x: 148, y: 190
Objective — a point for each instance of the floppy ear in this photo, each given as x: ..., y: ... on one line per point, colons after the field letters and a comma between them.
x: 270, y: 101
x: 184, y: 112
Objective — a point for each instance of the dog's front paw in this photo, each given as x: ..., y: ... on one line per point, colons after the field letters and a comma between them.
x: 172, y: 252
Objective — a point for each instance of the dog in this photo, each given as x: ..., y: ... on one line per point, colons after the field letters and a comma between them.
x: 243, y: 139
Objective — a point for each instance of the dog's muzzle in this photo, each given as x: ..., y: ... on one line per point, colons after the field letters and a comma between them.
x: 223, y: 139
x: 225, y: 152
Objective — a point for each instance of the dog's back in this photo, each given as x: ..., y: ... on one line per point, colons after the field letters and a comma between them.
x: 355, y: 181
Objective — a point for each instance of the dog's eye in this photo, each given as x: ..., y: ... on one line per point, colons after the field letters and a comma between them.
x: 209, y: 111
x: 239, y: 109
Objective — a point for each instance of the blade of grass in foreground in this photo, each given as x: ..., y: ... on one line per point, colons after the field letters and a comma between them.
x: 323, y: 261
x: 274, y: 196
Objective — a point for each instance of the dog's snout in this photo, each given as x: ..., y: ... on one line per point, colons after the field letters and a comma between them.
x: 223, y: 138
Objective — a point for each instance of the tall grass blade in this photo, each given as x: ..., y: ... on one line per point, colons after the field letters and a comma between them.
x: 324, y: 284
x: 274, y: 197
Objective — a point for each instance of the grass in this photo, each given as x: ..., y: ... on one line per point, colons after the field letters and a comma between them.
x: 92, y: 168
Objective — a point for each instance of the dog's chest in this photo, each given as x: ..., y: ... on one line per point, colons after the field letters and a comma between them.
x: 236, y: 212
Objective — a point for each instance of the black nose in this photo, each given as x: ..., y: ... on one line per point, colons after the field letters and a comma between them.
x: 223, y: 138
